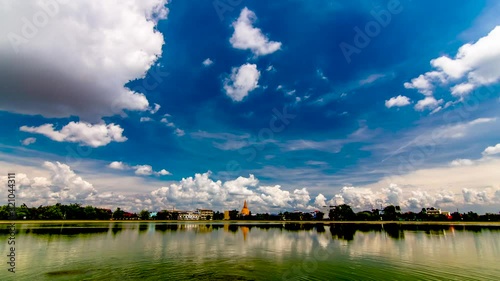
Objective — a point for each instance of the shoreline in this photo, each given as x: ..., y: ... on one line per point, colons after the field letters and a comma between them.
x: 245, y: 222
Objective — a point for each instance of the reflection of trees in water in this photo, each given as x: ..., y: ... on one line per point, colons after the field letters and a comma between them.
x: 143, y: 227
x: 343, y: 231
x: 165, y: 227
x: 233, y: 228
x: 217, y: 226
x: 117, y: 227
x: 394, y: 230
x: 369, y: 227
x: 320, y: 228
x: 67, y: 230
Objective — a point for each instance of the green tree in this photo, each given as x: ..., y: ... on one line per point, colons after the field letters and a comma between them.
x: 233, y: 215
x: 319, y: 216
x: 118, y: 214
x: 52, y: 213
x: 364, y: 216
x: 390, y: 213
x: 342, y: 212
x: 90, y: 213
x: 144, y: 215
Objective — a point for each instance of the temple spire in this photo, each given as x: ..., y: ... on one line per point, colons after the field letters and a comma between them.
x: 245, y: 211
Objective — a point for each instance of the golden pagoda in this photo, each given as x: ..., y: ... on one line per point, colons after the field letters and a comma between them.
x: 245, y: 211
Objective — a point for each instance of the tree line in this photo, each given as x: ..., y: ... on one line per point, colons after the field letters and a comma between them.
x: 342, y: 212
x: 393, y: 213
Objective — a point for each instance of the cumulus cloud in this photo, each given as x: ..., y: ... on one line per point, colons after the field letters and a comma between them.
x: 472, y: 196
x: 428, y: 103
x: 423, y: 83
x: 367, y: 198
x: 140, y: 170
x: 320, y: 201
x: 462, y: 89
x: 143, y: 170
x: 61, y: 185
x: 492, y: 150
x: 477, y: 63
x: 179, y: 132
x: 73, y: 58
x: 358, y: 198
x: 80, y: 132
x: 118, y: 165
x: 163, y: 172
x: 155, y: 108
x: 145, y: 119
x: 28, y: 141
x: 248, y: 37
x: 393, y: 194
x: 169, y: 124
x: 398, y: 101
x: 461, y: 162
x: 242, y: 80
x: 207, y: 62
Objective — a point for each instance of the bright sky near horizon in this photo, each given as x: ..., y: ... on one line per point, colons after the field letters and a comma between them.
x: 290, y: 105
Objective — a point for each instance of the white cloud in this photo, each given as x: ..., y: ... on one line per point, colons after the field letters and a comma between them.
x: 422, y: 84
x: 179, y: 132
x: 242, y: 80
x: 477, y: 63
x: 169, y: 124
x: 145, y: 119
x: 143, y: 170
x: 372, y: 78
x: 247, y: 37
x: 397, y: 101
x: 60, y: 185
x: 140, y: 170
x: 270, y: 68
x: 491, y: 150
x: 28, y: 141
x: 428, y: 103
x: 81, y: 132
x: 118, y: 165
x: 436, y: 110
x: 393, y: 194
x: 461, y: 90
x: 77, y: 56
x: 316, y: 163
x: 321, y: 75
x: 207, y: 62
x: 461, y: 162
x: 155, y: 108
x: 472, y: 196
x: 163, y: 172
x: 320, y: 200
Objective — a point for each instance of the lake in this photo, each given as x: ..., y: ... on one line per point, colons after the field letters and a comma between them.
x: 218, y: 251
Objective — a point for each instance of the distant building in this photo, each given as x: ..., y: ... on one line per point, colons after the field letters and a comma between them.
x: 226, y: 215
x: 245, y: 211
x: 188, y: 216
x: 205, y: 214
x: 435, y: 212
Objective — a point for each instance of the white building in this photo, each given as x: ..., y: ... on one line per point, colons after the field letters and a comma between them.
x: 205, y: 214
x: 189, y: 216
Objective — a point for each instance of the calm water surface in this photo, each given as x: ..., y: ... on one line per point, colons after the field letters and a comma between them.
x: 194, y: 251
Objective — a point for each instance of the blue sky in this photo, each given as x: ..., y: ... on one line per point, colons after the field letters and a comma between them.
x: 208, y: 104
